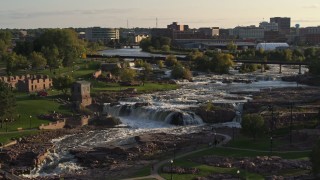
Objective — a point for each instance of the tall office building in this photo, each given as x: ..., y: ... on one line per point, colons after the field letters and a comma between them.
x: 102, y: 34
x: 284, y: 24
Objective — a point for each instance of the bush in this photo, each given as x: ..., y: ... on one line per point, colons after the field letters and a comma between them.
x: 252, y: 125
x: 180, y: 72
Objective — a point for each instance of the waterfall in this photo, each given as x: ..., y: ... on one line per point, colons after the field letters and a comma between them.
x: 239, y: 110
x: 154, y: 113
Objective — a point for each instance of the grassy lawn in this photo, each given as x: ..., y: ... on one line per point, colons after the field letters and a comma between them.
x: 262, y: 143
x: 147, y: 87
x: 225, y: 152
x: 80, y: 69
x: 5, y: 138
x: 205, y: 170
x: 27, y: 106
x: 142, y: 172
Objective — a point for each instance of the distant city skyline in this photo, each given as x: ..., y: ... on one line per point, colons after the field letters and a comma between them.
x: 143, y: 13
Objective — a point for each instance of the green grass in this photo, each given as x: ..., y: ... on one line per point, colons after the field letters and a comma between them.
x: 85, y: 70
x: 262, y: 143
x: 27, y: 106
x: 147, y: 87
x: 205, y: 170
x: 5, y: 138
x: 142, y: 172
x: 225, y: 152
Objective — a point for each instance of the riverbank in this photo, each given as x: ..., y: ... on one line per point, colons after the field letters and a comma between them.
x: 145, y: 149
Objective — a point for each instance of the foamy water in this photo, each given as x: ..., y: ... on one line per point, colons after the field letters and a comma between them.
x: 155, y: 117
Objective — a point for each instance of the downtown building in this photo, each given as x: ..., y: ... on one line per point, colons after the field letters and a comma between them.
x: 248, y: 32
x: 284, y: 24
x: 105, y: 35
x: 310, y: 35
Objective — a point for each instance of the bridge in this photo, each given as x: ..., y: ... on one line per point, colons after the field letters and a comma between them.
x: 151, y: 57
x: 300, y: 64
x: 157, y: 57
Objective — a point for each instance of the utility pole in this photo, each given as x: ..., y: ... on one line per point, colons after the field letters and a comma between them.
x: 156, y: 22
x: 127, y: 24
x: 291, y: 118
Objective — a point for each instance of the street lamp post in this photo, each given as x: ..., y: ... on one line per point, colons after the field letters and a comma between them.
x: 215, y: 140
x: 174, y: 151
x: 271, y: 141
x: 238, y: 174
x: 6, y: 124
x: 232, y: 133
x: 291, y: 123
x: 171, y: 162
x: 30, y: 121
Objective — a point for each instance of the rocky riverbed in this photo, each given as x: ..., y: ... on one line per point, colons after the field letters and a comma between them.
x: 144, y: 149
x: 111, y: 161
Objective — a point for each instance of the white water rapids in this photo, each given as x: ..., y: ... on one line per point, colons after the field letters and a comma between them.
x: 156, y: 115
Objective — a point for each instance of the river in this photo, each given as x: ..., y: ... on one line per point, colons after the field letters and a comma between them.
x: 160, y: 108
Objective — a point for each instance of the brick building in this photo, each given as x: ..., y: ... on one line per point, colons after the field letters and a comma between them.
x: 81, y: 93
x: 28, y: 83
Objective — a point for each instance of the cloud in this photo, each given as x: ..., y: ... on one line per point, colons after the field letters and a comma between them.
x: 307, y: 20
x: 313, y: 6
x: 23, y: 14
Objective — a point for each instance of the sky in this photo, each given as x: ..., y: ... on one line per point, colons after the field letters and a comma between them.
x: 143, y: 13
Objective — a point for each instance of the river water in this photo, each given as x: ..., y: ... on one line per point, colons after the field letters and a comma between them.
x: 157, y: 111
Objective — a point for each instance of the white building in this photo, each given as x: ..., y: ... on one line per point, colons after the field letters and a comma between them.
x: 272, y: 46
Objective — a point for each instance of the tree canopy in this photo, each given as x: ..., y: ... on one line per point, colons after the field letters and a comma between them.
x: 65, y: 41
x: 63, y: 83
x: 180, y: 72
x: 127, y: 75
x: 7, y: 102
x: 159, y: 43
x: 252, y: 125
x: 315, y: 159
x: 5, y: 42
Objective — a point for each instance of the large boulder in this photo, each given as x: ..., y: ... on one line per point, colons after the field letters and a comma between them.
x: 106, y: 121
x: 216, y: 116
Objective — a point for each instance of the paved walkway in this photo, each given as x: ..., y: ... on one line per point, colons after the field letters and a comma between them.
x: 154, y: 172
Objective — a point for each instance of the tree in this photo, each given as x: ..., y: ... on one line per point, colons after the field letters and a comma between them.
x: 195, y: 55
x: 145, y: 44
x: 127, y: 75
x: 310, y: 53
x: 232, y: 47
x: 160, y: 64
x: 165, y: 48
x: 65, y: 40
x: 15, y: 62
x: 37, y: 60
x: 315, y: 160
x: 52, y: 56
x: 171, y: 60
x: 62, y: 83
x: 252, y: 125
x: 180, y: 72
x: 7, y: 103
x: 314, y: 67
x: 5, y: 42
x: 222, y: 62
